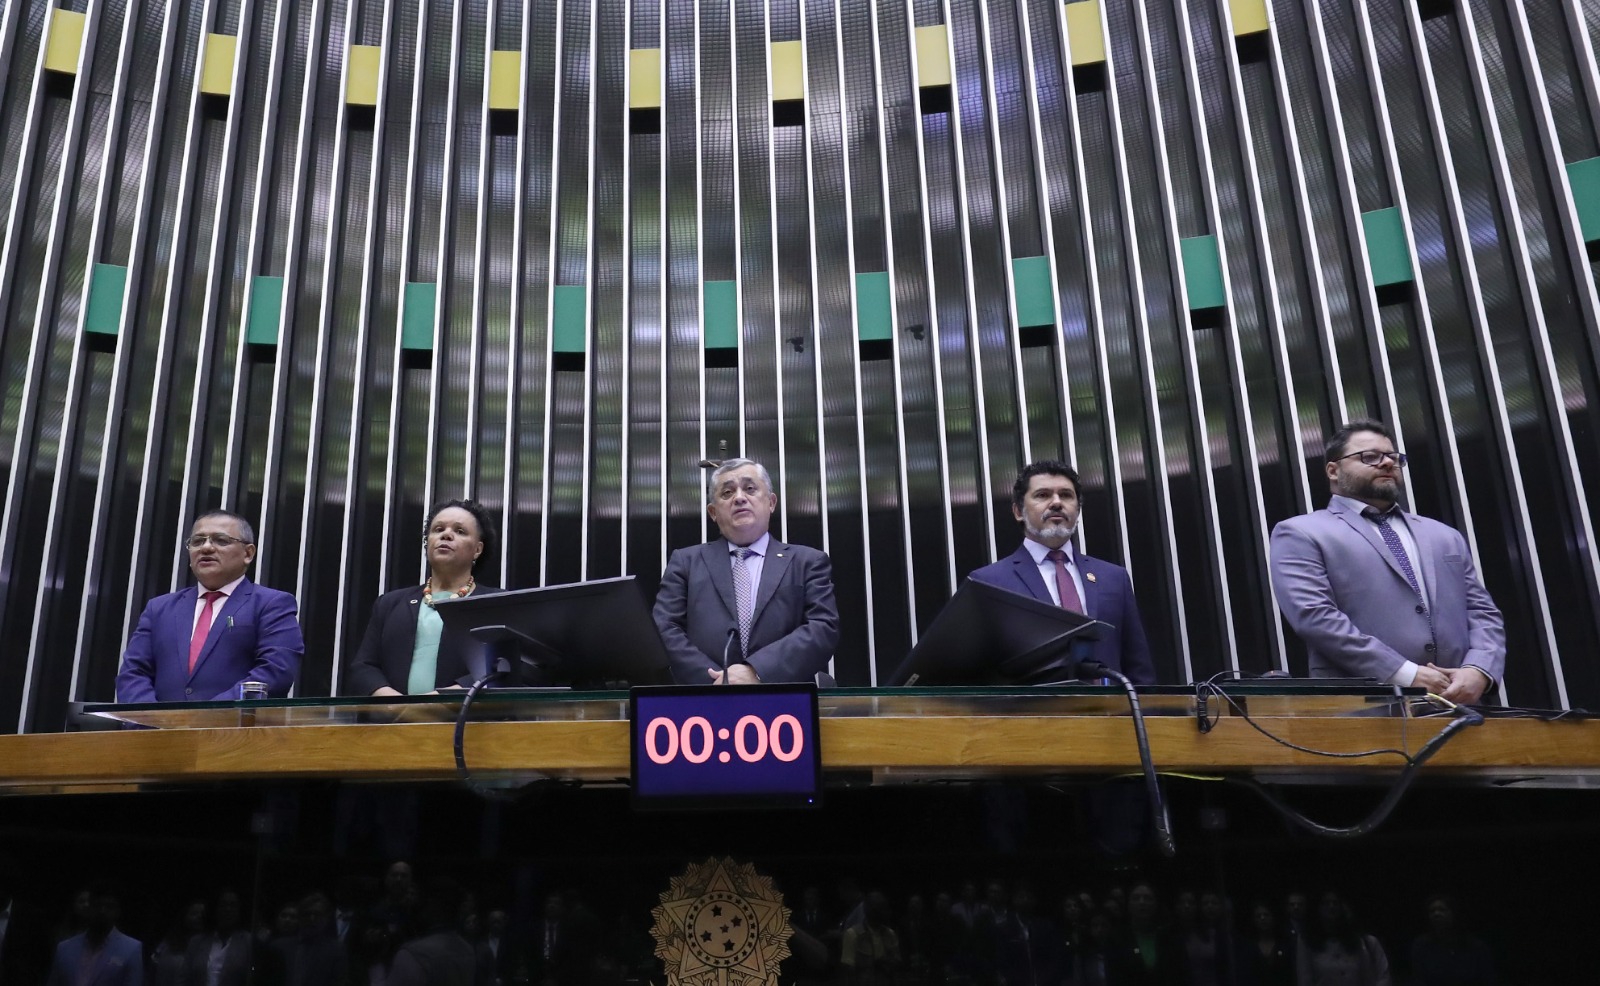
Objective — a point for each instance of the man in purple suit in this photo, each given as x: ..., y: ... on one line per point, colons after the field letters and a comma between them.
x: 198, y: 644
x: 1376, y: 591
x: 1044, y: 500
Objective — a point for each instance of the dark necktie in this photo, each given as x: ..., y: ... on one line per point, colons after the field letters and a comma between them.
x: 1391, y: 538
x: 1064, y: 585
x: 744, y: 595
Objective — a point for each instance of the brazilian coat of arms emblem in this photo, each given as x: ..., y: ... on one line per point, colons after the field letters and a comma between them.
x: 721, y: 924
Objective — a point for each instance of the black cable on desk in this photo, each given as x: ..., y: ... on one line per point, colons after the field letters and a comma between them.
x: 461, y: 737
x: 1210, y: 686
x: 1464, y: 717
x: 1158, y: 804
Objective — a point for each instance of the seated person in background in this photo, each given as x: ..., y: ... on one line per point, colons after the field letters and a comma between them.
x: 407, y: 650
x: 777, y: 597
x: 198, y: 644
x: 1377, y: 592
x: 1045, y: 502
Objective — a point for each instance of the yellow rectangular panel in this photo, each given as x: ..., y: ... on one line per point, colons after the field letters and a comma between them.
x: 216, y: 77
x: 505, y: 80
x: 933, y: 56
x: 1249, y: 16
x: 1084, y: 36
x: 788, y: 71
x: 66, y: 41
x: 644, y: 79
x: 361, y: 75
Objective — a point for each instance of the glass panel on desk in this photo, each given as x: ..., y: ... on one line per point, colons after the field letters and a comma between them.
x: 1274, y: 699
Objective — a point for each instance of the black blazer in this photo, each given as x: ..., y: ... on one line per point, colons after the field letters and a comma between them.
x: 385, y: 654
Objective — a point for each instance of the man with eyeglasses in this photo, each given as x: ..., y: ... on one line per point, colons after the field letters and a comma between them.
x: 768, y: 606
x: 1377, y: 592
x: 201, y: 643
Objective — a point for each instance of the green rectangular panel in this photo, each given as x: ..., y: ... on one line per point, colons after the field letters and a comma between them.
x: 721, y: 315
x: 1035, y: 301
x: 570, y: 333
x: 106, y: 286
x: 1202, y: 272
x: 1387, y: 255
x: 1584, y: 179
x: 416, y: 320
x: 266, y: 311
x: 874, y: 314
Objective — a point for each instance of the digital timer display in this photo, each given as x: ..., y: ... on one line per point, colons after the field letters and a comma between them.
x: 739, y: 746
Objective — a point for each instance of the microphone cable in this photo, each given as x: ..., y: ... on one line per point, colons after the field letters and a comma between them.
x: 1159, y: 819
x: 1463, y: 717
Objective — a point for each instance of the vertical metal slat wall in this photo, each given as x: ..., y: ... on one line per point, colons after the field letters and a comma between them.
x: 323, y: 261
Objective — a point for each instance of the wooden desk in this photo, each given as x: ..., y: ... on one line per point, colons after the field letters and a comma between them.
x: 933, y: 738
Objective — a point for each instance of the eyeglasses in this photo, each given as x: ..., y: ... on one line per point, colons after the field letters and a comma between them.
x: 1375, y: 457
x: 220, y: 540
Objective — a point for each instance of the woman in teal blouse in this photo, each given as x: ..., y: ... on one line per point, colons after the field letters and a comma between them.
x: 407, y: 650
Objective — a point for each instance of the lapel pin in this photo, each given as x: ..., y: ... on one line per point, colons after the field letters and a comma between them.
x: 1089, y: 576
x: 779, y: 554
x: 415, y: 601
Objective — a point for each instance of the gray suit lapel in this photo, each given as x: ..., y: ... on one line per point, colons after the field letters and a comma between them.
x: 772, y: 569
x: 1369, y: 533
x: 716, y: 558
x: 1425, y: 563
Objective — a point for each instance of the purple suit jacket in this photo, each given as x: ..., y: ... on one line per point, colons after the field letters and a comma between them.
x: 254, y: 637
x: 1342, y: 591
x: 1107, y: 597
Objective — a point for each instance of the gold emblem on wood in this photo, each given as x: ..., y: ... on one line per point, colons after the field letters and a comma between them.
x: 721, y: 924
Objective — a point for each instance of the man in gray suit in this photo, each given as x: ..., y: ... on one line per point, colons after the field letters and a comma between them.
x: 774, y: 599
x: 1375, y: 591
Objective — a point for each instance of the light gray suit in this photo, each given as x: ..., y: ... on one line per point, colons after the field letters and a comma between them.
x: 1342, y: 591
x: 794, y: 627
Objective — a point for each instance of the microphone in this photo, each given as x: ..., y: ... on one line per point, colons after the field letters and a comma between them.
x: 733, y: 634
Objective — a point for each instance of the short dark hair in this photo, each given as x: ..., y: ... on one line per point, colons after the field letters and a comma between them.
x: 1044, y: 467
x: 244, y: 525
x: 1340, y: 442
x: 480, y: 513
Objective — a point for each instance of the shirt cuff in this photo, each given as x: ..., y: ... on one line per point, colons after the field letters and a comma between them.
x: 1405, y: 676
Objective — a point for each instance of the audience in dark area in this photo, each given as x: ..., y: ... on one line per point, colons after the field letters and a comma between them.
x: 397, y: 926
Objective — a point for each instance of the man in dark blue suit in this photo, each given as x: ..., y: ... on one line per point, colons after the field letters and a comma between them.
x: 198, y: 644
x: 1047, y: 567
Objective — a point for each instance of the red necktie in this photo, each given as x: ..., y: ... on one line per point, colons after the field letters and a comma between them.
x: 202, y: 626
x: 1064, y: 584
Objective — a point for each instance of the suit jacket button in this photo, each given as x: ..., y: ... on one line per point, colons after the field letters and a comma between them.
x: 1421, y: 608
x: 188, y: 691
x: 1430, y: 648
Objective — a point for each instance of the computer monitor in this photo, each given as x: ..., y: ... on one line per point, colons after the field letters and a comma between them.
x: 595, y: 634
x: 986, y: 635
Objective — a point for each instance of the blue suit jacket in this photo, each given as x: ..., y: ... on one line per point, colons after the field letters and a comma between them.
x: 254, y: 637
x: 121, y: 962
x: 1342, y: 591
x: 794, y: 628
x: 1107, y: 597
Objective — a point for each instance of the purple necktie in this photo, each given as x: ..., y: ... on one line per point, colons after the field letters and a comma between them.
x: 1398, y: 549
x: 1064, y: 586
